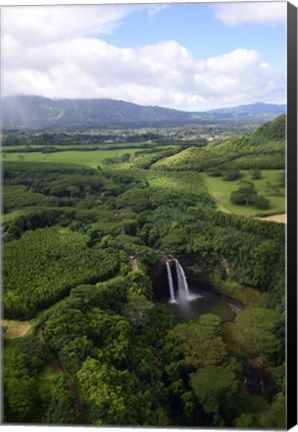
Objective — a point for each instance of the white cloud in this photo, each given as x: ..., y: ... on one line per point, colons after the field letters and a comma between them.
x: 57, y: 55
x: 234, y: 14
x: 155, y: 9
x: 42, y: 24
x: 163, y: 74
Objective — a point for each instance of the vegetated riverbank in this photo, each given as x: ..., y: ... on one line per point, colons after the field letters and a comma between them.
x: 231, y: 291
x: 207, y: 284
x: 254, y: 374
x: 219, y: 281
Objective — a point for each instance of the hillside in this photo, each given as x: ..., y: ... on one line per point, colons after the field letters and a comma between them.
x: 272, y: 131
x: 34, y: 112
x: 263, y: 148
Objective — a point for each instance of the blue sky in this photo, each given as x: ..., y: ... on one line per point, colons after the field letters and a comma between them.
x: 196, y: 27
x: 185, y: 56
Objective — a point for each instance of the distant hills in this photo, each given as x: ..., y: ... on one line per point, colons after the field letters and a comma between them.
x: 263, y: 148
x: 35, y: 112
x: 257, y: 108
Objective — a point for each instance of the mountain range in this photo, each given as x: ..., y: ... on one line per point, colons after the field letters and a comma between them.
x: 35, y: 112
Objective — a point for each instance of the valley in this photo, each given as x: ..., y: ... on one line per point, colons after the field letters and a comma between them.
x: 89, y: 232
x: 147, y: 215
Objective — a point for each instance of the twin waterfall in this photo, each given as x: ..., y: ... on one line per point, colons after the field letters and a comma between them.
x: 171, y: 285
x: 183, y: 294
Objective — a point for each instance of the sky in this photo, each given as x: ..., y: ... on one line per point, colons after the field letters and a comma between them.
x: 189, y: 56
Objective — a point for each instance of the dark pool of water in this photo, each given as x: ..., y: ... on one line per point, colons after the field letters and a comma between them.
x: 206, y: 302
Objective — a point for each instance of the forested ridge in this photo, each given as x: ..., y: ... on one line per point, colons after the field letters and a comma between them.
x: 34, y: 112
x: 70, y: 235
x: 263, y: 149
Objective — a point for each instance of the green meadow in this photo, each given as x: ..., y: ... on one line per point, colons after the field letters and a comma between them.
x: 89, y: 158
x: 267, y: 185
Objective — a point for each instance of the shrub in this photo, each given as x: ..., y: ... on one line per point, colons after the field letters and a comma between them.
x: 232, y: 175
x: 261, y: 202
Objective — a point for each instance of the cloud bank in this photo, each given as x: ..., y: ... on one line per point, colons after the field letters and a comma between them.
x: 61, y: 54
x: 234, y: 14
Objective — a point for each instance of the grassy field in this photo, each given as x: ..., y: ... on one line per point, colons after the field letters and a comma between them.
x: 81, y: 146
x: 89, y: 158
x: 221, y: 191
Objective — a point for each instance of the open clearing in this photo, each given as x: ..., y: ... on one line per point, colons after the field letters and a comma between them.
x: 221, y: 190
x: 15, y: 329
x: 280, y: 218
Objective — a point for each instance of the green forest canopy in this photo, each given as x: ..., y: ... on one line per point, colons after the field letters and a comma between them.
x: 68, y: 234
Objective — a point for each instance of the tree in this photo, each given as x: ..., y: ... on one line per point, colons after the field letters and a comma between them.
x: 214, y: 172
x: 136, y: 198
x: 254, y: 329
x: 261, y: 202
x: 137, y: 310
x: 245, y: 420
x: 75, y: 352
x: 274, y: 417
x: 231, y: 175
x: 112, y: 392
x: 256, y: 174
x: 200, y: 341
x: 58, y: 402
x: 266, y: 256
x: 204, y: 247
x: 246, y: 194
x: 20, y: 395
x: 24, y: 359
x: 125, y: 157
x: 31, y: 352
x: 56, y: 259
x: 215, y: 387
x: 63, y: 326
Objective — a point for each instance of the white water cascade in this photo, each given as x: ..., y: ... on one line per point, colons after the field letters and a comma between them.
x: 171, y: 285
x: 183, y: 290
x: 183, y: 294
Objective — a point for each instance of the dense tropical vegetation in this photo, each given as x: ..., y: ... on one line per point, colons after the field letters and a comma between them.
x: 83, y: 258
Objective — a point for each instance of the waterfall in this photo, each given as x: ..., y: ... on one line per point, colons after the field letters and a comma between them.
x: 171, y: 285
x: 183, y: 290
x: 183, y: 294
